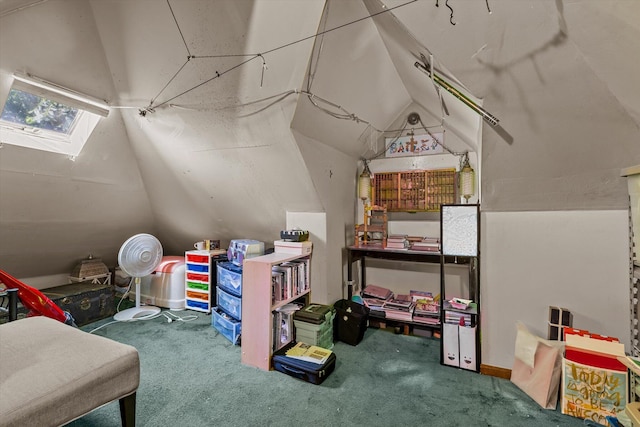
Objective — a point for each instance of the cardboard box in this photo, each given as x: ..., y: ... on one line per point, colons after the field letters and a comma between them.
x: 294, y: 248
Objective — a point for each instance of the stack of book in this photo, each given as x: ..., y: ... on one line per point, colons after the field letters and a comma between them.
x: 457, y: 318
x: 397, y: 241
x: 427, y: 308
x: 289, y: 279
x: 428, y: 244
x: 374, y: 297
x: 399, y: 307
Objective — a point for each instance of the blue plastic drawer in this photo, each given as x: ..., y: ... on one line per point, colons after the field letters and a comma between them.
x: 230, y: 278
x: 197, y: 305
x: 230, y: 304
x: 227, y: 326
x: 198, y: 267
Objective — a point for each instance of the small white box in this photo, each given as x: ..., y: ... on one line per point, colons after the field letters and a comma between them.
x: 467, y: 347
x: 450, y: 345
x: 294, y: 248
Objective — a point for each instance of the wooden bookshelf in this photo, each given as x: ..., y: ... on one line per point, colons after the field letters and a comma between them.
x: 257, y: 307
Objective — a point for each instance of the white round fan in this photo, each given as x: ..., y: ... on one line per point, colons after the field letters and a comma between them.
x: 138, y: 257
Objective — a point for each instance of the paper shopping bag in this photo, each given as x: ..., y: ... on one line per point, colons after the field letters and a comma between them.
x: 539, y: 377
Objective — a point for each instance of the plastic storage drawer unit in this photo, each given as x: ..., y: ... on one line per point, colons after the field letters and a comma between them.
x: 230, y: 278
x: 226, y: 325
x: 230, y: 304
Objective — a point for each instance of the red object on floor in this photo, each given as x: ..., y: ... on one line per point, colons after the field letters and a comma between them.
x: 37, y: 303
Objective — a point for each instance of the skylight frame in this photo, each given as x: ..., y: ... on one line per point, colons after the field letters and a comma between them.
x: 89, y: 112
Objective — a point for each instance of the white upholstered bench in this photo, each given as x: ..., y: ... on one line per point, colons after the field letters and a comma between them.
x: 52, y: 373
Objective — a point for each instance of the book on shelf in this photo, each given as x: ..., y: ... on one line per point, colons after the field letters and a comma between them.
x: 426, y: 320
x: 277, y: 286
x: 399, y: 307
x: 428, y: 239
x: 287, y: 281
x: 374, y: 303
x: 425, y: 248
x: 309, y: 353
x: 397, y: 237
x: 430, y: 244
x: 397, y: 241
x: 425, y: 302
x: 394, y: 245
x: 457, y: 318
x: 283, y: 326
x: 405, y: 316
x: 460, y: 303
x: 399, y: 302
x: 375, y: 291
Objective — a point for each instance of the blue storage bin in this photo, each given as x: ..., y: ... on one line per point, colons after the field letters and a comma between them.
x: 198, y: 267
x: 230, y: 304
x: 227, y: 326
x: 230, y: 278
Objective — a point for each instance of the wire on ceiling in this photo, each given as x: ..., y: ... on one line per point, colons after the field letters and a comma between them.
x: 446, y: 3
x: 315, y: 100
x: 186, y: 46
x: 254, y: 56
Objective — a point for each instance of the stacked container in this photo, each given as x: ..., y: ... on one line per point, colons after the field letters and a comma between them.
x: 227, y: 316
x: 314, y: 325
x: 200, y: 277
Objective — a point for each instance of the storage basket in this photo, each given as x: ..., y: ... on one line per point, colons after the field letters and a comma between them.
x: 350, y: 322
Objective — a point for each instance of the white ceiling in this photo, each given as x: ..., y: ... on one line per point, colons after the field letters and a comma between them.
x: 216, y: 156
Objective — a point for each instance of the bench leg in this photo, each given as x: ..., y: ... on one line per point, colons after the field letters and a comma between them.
x: 128, y: 410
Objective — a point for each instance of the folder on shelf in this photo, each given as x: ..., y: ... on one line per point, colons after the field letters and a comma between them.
x: 450, y: 343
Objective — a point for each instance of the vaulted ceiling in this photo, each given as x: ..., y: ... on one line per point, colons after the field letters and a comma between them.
x: 229, y: 113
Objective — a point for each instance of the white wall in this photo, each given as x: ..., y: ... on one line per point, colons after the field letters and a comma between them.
x: 578, y: 260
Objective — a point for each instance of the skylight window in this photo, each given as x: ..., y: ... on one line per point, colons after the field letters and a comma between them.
x: 28, y: 110
x: 42, y: 115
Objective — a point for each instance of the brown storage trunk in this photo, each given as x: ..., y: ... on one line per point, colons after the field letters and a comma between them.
x: 86, y: 301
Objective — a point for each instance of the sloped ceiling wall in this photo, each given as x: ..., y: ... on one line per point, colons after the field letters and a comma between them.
x: 212, y: 167
x: 54, y: 211
x: 567, y: 96
x: 217, y: 158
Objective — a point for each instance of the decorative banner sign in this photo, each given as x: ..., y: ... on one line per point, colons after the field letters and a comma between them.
x: 414, y: 145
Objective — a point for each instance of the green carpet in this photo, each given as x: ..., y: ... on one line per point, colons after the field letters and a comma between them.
x: 192, y: 376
